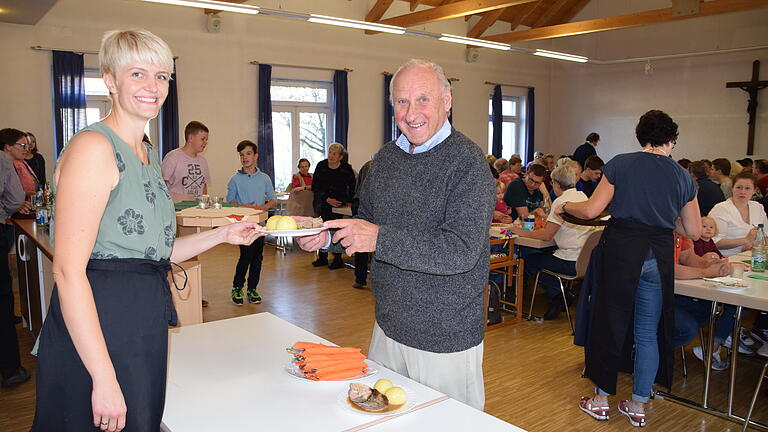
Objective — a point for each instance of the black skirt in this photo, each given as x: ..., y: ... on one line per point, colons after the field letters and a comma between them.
x: 134, y: 305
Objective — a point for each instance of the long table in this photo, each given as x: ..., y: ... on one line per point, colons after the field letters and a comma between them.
x: 230, y: 375
x: 755, y: 296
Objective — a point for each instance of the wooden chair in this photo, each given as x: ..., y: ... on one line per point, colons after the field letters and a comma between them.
x: 582, y: 263
x: 300, y: 204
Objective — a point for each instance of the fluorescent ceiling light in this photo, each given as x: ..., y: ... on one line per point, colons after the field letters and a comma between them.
x: 476, y: 42
x: 561, y: 56
x: 211, y: 4
x: 344, y: 22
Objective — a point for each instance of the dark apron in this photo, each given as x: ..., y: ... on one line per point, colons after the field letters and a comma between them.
x: 623, y: 248
x: 134, y: 305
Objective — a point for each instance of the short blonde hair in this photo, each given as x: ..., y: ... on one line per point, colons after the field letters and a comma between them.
x: 338, y: 148
x: 714, y: 222
x: 121, y: 47
x: 564, y: 176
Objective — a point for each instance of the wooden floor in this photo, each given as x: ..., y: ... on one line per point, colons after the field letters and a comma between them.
x: 532, y: 370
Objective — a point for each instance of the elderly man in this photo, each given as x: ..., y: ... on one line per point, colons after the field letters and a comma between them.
x: 425, y: 209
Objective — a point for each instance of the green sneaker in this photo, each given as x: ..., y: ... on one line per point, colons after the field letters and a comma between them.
x: 253, y: 296
x: 237, y: 296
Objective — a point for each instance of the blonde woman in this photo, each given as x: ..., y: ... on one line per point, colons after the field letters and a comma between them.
x: 103, y: 346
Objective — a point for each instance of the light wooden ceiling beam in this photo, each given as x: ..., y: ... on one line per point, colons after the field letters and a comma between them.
x: 714, y: 7
x: 378, y: 10
x: 485, y: 22
x: 414, y: 4
x: 449, y: 11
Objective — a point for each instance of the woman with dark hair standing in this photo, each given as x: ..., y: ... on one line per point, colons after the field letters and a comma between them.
x: 34, y: 159
x: 633, y: 297
x: 334, y: 186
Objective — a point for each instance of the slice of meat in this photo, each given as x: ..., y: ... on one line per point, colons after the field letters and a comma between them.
x: 367, y: 398
x: 359, y: 392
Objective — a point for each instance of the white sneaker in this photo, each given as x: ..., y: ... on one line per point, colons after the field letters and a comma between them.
x: 746, y: 339
x: 742, y: 347
x: 763, y: 351
x: 717, y: 364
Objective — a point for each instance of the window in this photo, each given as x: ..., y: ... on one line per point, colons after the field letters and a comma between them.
x: 512, y: 126
x: 301, y: 121
x: 98, y: 103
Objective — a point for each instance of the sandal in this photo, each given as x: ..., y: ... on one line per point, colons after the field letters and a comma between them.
x: 636, y: 418
x: 598, y: 412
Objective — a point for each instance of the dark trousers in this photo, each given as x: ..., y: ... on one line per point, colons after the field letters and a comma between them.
x: 692, y: 314
x: 250, y: 256
x: 361, y: 267
x: 536, y: 262
x: 9, y: 343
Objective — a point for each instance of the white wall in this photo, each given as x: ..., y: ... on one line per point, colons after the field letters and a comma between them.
x: 218, y: 87
x: 609, y: 99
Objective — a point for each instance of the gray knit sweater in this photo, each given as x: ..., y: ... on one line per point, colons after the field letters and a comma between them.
x: 432, y: 255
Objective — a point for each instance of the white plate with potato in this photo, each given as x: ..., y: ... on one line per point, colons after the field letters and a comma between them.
x: 385, y: 399
x: 286, y: 226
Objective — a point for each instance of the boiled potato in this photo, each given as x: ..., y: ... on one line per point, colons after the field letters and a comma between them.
x: 286, y: 223
x: 272, y: 222
x: 396, y: 396
x: 383, y: 385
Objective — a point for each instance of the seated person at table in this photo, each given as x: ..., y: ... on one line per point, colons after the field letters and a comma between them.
x: 705, y: 244
x: 302, y: 180
x: 569, y: 238
x: 590, y: 176
x: 508, y: 170
x: 690, y: 313
x: 501, y: 211
x: 721, y: 170
x: 523, y: 195
x: 738, y: 216
x: 708, y: 193
x: 250, y: 187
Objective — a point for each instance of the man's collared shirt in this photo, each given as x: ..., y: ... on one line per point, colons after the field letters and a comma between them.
x: 436, y: 139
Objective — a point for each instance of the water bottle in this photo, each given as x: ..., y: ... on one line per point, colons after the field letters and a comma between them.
x: 758, y: 251
x: 529, y: 223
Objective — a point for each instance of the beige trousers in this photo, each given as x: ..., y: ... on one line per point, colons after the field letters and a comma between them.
x: 458, y: 375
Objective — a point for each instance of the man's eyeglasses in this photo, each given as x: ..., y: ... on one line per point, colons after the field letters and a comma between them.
x: 24, y: 145
x: 533, y: 182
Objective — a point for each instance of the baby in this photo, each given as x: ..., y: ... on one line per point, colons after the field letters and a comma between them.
x: 705, y: 247
x: 501, y: 211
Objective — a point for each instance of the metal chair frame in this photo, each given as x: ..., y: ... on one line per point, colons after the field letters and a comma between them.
x: 582, y: 263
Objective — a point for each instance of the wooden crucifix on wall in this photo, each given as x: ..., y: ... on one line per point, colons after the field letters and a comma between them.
x: 751, y: 87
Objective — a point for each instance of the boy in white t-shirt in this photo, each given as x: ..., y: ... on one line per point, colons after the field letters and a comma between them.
x: 185, y: 170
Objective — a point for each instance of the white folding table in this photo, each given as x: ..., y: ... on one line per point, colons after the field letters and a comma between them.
x: 230, y: 375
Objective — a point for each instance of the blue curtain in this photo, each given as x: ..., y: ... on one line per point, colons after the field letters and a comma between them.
x: 391, y: 131
x: 530, y: 116
x: 497, y: 118
x: 340, y: 107
x: 266, y: 148
x: 68, y: 97
x: 169, y: 117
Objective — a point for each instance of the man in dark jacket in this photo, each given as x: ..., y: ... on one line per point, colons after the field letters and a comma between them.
x: 587, y: 149
x: 709, y: 192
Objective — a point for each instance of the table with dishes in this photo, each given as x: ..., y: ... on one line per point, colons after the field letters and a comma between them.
x: 751, y: 291
x: 236, y: 374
